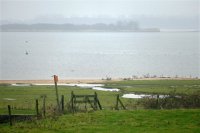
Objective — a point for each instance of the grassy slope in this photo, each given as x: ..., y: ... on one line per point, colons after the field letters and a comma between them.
x: 150, y: 121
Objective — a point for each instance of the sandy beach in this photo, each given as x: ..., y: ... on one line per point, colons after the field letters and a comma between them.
x: 51, y: 81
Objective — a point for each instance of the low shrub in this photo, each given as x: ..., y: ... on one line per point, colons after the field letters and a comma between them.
x: 171, y: 101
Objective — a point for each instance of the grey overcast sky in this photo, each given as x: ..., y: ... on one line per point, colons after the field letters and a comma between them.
x: 31, y: 9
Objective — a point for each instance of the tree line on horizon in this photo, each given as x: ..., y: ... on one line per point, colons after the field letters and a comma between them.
x: 118, y: 26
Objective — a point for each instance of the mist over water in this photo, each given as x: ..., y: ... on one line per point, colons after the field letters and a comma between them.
x: 98, y: 54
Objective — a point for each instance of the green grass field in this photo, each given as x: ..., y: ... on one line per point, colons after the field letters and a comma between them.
x: 157, y: 86
x: 136, y: 119
x: 24, y: 97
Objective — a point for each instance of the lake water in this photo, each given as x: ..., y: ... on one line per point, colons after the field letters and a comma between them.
x: 98, y: 54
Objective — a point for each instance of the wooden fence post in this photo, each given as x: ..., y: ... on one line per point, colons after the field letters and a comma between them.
x: 10, y: 116
x: 72, y: 101
x: 157, y: 101
x: 62, y: 103
x: 56, y: 87
x: 36, y: 107
x: 44, y: 105
x: 98, y: 101
x: 117, y: 103
x: 122, y: 104
x: 95, y: 101
x: 85, y: 100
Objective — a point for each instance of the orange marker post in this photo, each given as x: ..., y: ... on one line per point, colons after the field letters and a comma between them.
x: 55, y: 78
x: 56, y: 87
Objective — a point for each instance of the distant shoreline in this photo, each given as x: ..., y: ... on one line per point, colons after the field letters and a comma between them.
x: 86, y: 80
x: 82, y: 31
x: 102, y: 31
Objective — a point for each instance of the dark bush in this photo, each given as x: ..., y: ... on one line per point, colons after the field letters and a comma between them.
x: 171, y: 101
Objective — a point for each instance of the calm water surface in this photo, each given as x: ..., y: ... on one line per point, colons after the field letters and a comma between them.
x: 98, y: 54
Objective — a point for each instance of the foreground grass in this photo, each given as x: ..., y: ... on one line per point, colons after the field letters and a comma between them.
x: 149, y: 121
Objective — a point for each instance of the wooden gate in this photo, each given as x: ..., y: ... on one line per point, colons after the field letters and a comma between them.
x: 84, y: 99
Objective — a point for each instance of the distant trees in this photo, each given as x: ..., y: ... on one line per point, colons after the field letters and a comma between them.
x: 118, y: 26
x: 131, y: 25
